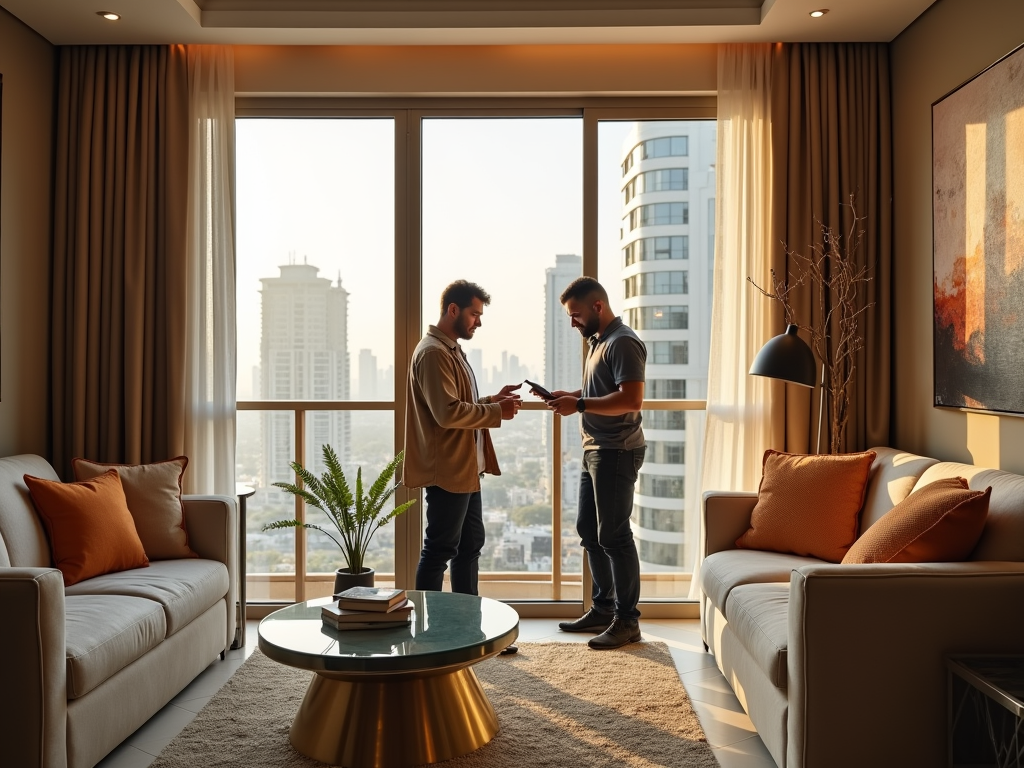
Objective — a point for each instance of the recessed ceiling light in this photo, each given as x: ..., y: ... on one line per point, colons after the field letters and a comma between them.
x: 109, y: 15
x: 819, y: 13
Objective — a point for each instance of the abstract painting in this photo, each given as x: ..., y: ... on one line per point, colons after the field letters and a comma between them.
x: 978, y: 240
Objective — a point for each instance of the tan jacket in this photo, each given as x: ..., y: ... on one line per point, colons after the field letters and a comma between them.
x: 441, y: 419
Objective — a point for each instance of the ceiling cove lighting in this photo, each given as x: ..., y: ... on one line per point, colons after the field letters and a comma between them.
x: 819, y: 13
x: 109, y: 15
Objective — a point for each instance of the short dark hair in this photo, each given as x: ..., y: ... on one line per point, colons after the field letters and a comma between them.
x: 583, y: 288
x: 461, y: 293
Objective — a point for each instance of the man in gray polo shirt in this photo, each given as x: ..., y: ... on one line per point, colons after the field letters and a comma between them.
x: 613, y: 451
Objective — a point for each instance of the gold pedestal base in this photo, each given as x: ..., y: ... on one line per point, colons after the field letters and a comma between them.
x: 393, y: 721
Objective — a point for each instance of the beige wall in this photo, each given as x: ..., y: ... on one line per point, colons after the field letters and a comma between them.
x: 948, y: 44
x: 473, y: 70
x: 27, y: 65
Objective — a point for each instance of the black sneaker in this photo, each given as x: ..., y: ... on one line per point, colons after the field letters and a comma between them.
x: 620, y: 633
x: 591, y: 621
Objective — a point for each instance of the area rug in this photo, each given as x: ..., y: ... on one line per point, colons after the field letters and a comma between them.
x: 558, y: 704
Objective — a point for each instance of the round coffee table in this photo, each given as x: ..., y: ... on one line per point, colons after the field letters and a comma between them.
x: 393, y: 697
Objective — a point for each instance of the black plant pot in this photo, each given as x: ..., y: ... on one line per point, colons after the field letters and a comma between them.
x: 344, y: 579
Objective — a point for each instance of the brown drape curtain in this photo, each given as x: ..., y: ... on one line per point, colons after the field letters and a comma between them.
x: 832, y: 137
x: 118, y: 336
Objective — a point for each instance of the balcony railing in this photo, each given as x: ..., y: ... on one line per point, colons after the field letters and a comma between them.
x: 553, y: 585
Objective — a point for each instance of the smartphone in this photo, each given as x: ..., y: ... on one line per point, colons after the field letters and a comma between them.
x: 539, y: 390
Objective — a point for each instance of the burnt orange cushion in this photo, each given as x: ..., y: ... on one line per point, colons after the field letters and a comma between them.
x: 153, y: 492
x: 938, y: 523
x: 808, y: 505
x: 90, y: 528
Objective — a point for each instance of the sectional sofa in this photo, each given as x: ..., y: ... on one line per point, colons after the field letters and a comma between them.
x: 83, y: 667
x: 842, y: 665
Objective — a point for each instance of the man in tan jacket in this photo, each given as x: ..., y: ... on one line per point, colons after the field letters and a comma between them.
x: 447, y: 445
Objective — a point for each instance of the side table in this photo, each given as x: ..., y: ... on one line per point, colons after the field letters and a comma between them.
x: 243, y: 492
x: 986, y: 710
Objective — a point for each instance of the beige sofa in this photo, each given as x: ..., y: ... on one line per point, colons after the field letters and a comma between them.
x: 842, y: 665
x: 82, y: 668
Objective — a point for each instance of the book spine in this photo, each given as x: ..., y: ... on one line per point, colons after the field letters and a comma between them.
x: 359, y: 605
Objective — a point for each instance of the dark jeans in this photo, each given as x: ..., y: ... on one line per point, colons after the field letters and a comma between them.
x: 455, y: 531
x: 606, y: 503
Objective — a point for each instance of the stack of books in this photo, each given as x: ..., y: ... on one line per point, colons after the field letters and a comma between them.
x: 367, y: 608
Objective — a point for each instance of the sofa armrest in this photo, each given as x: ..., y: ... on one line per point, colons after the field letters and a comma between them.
x: 866, y: 648
x: 726, y: 517
x: 33, y: 668
x: 212, y: 525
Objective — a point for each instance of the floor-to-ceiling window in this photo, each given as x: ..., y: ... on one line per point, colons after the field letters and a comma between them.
x: 349, y: 225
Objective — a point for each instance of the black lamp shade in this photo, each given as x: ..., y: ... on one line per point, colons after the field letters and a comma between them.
x: 786, y: 357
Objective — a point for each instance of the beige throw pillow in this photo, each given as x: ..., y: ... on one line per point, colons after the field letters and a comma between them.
x: 153, y: 493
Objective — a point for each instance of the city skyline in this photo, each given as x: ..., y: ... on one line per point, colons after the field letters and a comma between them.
x: 296, y: 196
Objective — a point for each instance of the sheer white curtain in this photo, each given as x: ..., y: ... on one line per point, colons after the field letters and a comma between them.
x: 210, y: 319
x: 739, y: 427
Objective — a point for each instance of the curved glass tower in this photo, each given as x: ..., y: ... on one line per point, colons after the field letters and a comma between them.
x: 667, y: 235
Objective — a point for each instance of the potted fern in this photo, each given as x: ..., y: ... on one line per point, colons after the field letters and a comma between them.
x: 356, y: 515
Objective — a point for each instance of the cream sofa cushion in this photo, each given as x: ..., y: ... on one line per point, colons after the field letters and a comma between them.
x: 759, y: 615
x: 1003, y: 537
x: 106, y: 633
x: 894, y: 475
x: 722, y: 572
x: 23, y: 541
x: 185, y: 588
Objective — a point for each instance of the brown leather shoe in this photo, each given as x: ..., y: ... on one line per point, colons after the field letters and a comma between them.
x: 620, y: 633
x: 591, y: 621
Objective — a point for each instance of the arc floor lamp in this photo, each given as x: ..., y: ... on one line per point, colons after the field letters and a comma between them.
x: 787, y: 357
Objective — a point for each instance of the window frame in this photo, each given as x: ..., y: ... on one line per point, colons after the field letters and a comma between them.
x: 408, y: 114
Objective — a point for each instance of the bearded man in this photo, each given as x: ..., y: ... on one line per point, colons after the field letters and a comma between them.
x: 447, y: 444
x: 609, y: 404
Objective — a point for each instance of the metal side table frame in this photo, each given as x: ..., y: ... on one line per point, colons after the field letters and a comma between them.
x: 992, y: 694
x: 243, y: 492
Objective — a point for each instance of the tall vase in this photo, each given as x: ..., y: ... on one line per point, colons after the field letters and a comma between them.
x: 344, y: 579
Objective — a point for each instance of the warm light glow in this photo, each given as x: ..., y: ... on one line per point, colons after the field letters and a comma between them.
x: 975, y: 200
x: 109, y: 15
x: 819, y: 13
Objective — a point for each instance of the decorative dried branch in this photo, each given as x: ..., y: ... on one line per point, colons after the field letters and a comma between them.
x: 831, y: 271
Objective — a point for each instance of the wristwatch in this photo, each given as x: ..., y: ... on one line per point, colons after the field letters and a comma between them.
x: 581, y: 406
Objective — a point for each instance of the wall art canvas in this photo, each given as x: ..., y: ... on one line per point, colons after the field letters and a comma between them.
x: 978, y: 237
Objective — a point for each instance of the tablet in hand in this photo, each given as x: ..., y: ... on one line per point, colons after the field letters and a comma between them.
x: 541, y: 391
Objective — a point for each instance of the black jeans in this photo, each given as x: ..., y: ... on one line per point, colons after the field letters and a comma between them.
x: 455, y: 531
x: 606, y: 503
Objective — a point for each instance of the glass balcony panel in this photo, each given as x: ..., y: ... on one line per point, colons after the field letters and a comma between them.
x: 677, y: 160
x: 264, y: 445
x: 525, y: 332
x: 363, y: 440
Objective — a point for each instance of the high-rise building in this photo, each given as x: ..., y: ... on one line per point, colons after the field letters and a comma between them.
x: 668, y: 226
x: 563, y: 366
x: 367, y: 375
x: 303, y: 356
x: 476, y: 362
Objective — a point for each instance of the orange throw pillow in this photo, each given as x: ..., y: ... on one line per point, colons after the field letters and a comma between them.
x: 939, y: 523
x: 90, y: 528
x: 808, y: 504
x: 153, y: 492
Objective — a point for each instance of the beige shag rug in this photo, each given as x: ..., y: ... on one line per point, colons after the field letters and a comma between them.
x: 558, y: 704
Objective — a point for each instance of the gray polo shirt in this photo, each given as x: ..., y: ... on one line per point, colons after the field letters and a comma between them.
x: 613, y: 358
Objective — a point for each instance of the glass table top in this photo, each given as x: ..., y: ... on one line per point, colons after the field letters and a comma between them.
x: 1000, y: 677
x: 447, y: 629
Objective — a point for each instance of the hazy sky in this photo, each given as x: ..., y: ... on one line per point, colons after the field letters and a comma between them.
x: 501, y: 197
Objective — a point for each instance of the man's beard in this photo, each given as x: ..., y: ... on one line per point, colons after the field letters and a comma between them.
x: 589, y: 328
x: 463, y: 329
